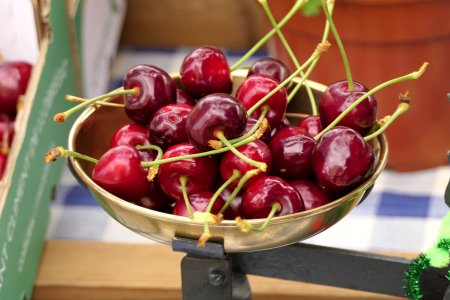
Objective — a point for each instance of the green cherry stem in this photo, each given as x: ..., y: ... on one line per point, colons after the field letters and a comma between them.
x: 290, y: 52
x: 386, y: 121
x: 58, y: 152
x: 102, y: 103
x: 183, y: 182
x: 321, y: 47
x: 340, y: 45
x: 62, y: 116
x: 296, y: 7
x: 255, y: 127
x: 153, y: 170
x: 238, y: 188
x: 410, y: 76
x: 314, y: 63
x: 257, y: 164
x: 246, y: 227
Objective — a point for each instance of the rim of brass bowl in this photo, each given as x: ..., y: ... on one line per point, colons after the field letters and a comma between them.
x: 77, y: 169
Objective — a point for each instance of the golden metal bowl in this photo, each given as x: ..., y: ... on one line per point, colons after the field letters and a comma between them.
x: 91, y: 133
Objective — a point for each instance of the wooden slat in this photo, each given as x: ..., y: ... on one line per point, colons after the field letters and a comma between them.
x: 92, y: 270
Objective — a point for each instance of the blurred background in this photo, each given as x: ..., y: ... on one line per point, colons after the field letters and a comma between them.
x: 101, y: 39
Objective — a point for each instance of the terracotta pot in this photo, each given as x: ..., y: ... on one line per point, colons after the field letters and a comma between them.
x: 385, y: 39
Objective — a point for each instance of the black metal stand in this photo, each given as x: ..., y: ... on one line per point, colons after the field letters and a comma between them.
x: 210, y: 273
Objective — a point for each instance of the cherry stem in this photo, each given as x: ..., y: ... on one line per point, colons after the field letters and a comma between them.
x: 289, y: 51
x: 296, y: 115
x: 153, y: 170
x: 386, y: 121
x: 410, y: 76
x: 321, y: 47
x: 238, y: 188
x: 246, y: 227
x: 314, y: 63
x: 183, y: 182
x: 255, y: 127
x: 58, y: 152
x: 257, y: 164
x: 340, y: 45
x: 298, y: 4
x: 62, y: 116
x: 102, y: 103
x: 236, y: 174
x: 200, y: 154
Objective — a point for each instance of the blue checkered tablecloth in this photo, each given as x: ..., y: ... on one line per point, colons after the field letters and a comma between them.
x: 402, y: 213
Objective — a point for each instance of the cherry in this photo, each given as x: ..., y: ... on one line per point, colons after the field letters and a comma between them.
x: 184, y: 98
x: 201, y: 172
x: 235, y: 204
x: 342, y: 160
x: 119, y: 172
x: 199, y: 202
x: 310, y: 192
x: 155, y: 198
x: 131, y: 135
x: 14, y: 77
x: 168, y: 123
x: 215, y: 113
x: 256, y: 150
x: 292, y: 149
x: 254, y: 88
x: 3, y: 163
x: 270, y: 66
x: 155, y: 89
x: 205, y: 71
x: 312, y: 124
x: 283, y: 124
x: 259, y: 198
x: 337, y: 97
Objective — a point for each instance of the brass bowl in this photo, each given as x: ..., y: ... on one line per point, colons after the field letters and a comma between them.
x: 91, y: 133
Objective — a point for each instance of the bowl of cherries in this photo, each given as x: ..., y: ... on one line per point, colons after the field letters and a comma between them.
x: 253, y: 158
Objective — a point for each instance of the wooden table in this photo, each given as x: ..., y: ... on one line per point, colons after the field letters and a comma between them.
x: 94, y: 270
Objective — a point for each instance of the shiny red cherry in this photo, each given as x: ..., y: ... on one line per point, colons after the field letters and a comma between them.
x: 155, y: 198
x: 131, y: 135
x: 337, y: 98
x: 312, y: 124
x: 292, y: 149
x: 235, y: 205
x: 342, y: 160
x: 168, y: 125
x: 283, y: 124
x: 213, y: 113
x: 254, y: 88
x: 184, y: 98
x: 119, y: 172
x: 205, y: 71
x: 14, y: 78
x: 264, y: 192
x: 156, y: 89
x: 256, y: 150
x: 199, y: 202
x: 270, y: 66
x: 311, y: 193
x: 201, y: 172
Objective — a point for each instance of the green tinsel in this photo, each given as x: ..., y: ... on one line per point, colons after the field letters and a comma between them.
x: 412, y: 276
x: 444, y: 244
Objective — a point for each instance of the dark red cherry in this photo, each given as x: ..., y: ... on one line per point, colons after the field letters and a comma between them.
x: 267, y: 132
x: 254, y: 88
x: 155, y: 198
x: 235, y: 205
x: 310, y: 192
x: 184, y: 98
x: 201, y: 172
x: 156, y: 89
x: 337, y: 98
x: 131, y: 135
x: 283, y: 124
x: 256, y: 150
x: 292, y: 149
x: 215, y: 112
x: 119, y: 172
x: 264, y: 192
x: 14, y: 77
x: 271, y: 67
x: 311, y: 124
x: 168, y: 125
x: 205, y: 71
x: 199, y: 202
x: 342, y: 160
